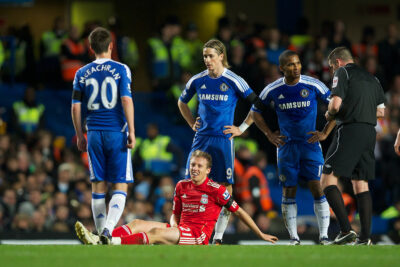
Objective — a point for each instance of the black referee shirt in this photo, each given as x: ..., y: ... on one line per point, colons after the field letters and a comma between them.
x: 360, y: 92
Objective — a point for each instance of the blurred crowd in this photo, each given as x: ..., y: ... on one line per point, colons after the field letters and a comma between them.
x: 44, y: 184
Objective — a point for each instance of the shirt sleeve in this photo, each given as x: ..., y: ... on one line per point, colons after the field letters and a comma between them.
x: 225, y: 199
x: 241, y: 87
x: 77, y: 90
x: 190, y: 90
x: 381, y: 95
x: 340, y: 83
x: 125, y: 83
x: 323, y: 92
x: 263, y: 101
x: 177, y: 203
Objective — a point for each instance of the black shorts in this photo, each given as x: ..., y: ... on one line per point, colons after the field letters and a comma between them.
x: 351, y: 154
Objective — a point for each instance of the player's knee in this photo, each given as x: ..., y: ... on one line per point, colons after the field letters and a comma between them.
x: 289, y: 191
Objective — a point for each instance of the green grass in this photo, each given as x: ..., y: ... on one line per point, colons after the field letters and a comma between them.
x: 189, y: 256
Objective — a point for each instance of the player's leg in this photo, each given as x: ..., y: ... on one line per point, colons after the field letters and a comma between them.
x: 166, y: 236
x: 115, y: 208
x: 223, y: 220
x: 365, y: 171
x: 222, y: 152
x: 289, y: 212
x: 321, y: 210
x: 137, y: 226
x: 364, y: 205
x: 288, y: 171
x: 99, y: 190
x: 119, y: 173
x: 97, y: 160
x: 310, y: 169
x: 340, y: 160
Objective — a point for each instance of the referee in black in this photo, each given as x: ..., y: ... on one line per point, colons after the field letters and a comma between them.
x: 357, y: 100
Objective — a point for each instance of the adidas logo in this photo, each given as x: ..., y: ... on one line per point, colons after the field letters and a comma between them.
x: 281, y: 97
x: 115, y: 206
x: 184, y: 196
x: 203, y: 87
x: 101, y: 215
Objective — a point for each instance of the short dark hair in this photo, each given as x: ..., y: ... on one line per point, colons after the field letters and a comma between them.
x: 284, y: 56
x: 340, y: 52
x: 202, y: 154
x: 100, y: 39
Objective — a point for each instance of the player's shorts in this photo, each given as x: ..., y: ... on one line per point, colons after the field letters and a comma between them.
x: 109, y: 158
x: 351, y: 153
x: 222, y: 152
x: 192, y: 236
x: 299, y: 160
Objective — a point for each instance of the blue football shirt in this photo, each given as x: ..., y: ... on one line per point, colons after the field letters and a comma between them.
x: 217, y: 99
x: 102, y: 83
x: 295, y: 105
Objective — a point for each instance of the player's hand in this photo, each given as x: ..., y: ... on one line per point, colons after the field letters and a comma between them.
x: 397, y: 145
x: 276, y: 138
x: 232, y: 129
x: 81, y: 143
x: 196, y: 124
x: 328, y: 116
x: 316, y: 136
x: 269, y: 238
x: 131, y: 141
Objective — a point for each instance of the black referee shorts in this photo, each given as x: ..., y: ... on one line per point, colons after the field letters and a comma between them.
x: 351, y: 154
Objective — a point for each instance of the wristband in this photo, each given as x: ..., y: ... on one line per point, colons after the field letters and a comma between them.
x: 243, y: 127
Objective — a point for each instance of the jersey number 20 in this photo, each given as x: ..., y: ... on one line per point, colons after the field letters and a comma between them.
x: 104, y: 100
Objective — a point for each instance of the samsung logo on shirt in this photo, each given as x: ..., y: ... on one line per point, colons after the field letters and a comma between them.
x: 99, y: 68
x: 215, y: 97
x: 291, y: 105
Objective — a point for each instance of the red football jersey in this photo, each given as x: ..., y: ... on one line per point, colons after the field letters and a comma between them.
x: 198, y: 206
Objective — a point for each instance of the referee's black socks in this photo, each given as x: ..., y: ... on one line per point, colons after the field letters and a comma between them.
x: 364, y: 205
x: 335, y: 200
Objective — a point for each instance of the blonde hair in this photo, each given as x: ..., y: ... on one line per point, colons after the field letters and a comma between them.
x: 202, y: 154
x: 220, y: 48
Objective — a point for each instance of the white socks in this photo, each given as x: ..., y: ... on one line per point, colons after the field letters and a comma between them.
x: 321, y: 209
x: 222, y: 223
x: 116, y: 240
x: 115, y: 209
x: 99, y: 210
x: 289, y: 212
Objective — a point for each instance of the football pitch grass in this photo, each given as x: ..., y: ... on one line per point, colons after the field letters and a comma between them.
x: 190, y: 256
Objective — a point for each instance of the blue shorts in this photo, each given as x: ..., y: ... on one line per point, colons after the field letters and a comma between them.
x: 109, y: 158
x: 221, y: 150
x: 299, y: 160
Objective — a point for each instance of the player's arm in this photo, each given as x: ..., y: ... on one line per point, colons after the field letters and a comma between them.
x: 174, y: 220
x: 77, y: 121
x: 380, y: 112
x: 226, y: 200
x: 76, y: 113
x: 187, y: 115
x: 397, y: 144
x: 321, y: 136
x: 333, y: 107
x: 127, y: 105
x: 339, y: 90
x: 237, y: 131
x: 176, y: 207
x: 245, y: 217
x: 274, y: 137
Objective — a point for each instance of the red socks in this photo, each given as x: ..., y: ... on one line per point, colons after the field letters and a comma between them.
x: 121, y: 231
x: 135, y: 239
